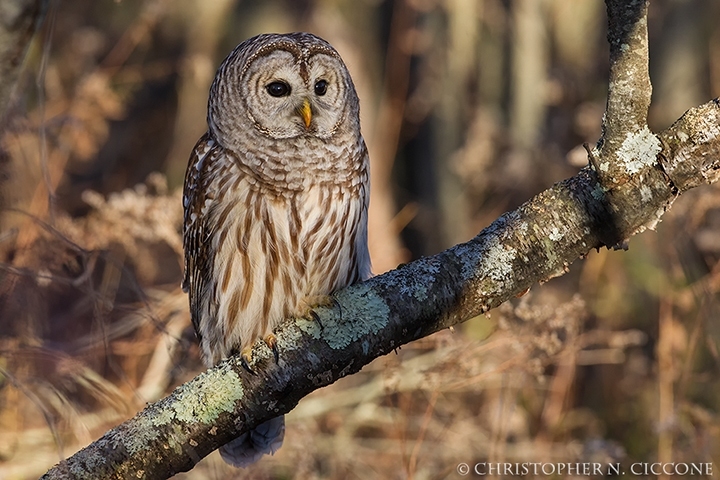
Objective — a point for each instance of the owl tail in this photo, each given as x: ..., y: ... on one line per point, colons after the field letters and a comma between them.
x: 249, y: 447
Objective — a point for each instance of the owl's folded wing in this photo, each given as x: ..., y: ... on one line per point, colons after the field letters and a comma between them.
x: 197, y: 199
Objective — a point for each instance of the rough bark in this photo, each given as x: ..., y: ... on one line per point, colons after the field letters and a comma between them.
x: 633, y: 179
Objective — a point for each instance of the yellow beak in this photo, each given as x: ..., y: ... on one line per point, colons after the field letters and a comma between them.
x: 305, y: 112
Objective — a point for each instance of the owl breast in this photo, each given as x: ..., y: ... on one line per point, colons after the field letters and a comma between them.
x: 277, y: 250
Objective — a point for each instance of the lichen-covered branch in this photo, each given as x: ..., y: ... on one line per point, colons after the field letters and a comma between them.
x: 629, y: 88
x: 628, y: 150
x: 537, y: 241
x: 694, y: 137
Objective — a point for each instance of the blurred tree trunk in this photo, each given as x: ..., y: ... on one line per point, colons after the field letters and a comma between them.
x: 573, y: 21
x: 530, y: 52
x: 714, y: 54
x: 18, y: 22
x: 203, y: 21
x: 385, y: 246
x: 19, y: 19
x: 463, y: 32
x: 679, y: 66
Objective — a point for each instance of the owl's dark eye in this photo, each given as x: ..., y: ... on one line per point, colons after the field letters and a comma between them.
x: 278, y: 89
x: 321, y: 87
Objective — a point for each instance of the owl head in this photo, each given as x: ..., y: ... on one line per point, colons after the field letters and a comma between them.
x: 282, y: 86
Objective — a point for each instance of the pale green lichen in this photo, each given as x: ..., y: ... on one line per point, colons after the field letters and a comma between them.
x: 163, y: 417
x: 310, y: 327
x: 492, y: 259
x: 189, y: 407
x: 550, y: 253
x: 207, y: 405
x: 498, y: 260
x: 419, y: 291
x: 368, y: 315
x: 598, y: 192
x: 645, y: 193
x: 92, y: 463
x: 137, y: 439
x: 555, y: 234
x: 176, y: 439
x: 496, y: 263
x: 639, y: 150
x: 291, y: 336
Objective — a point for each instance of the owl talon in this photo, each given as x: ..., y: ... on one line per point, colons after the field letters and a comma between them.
x: 314, y: 316
x: 271, y: 341
x: 246, y: 359
x: 318, y: 301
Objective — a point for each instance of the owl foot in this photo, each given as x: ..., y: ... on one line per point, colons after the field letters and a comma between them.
x: 246, y: 354
x: 271, y: 341
x: 314, y: 302
x: 320, y: 301
x: 246, y: 359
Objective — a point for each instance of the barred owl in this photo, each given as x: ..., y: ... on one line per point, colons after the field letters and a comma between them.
x: 276, y: 202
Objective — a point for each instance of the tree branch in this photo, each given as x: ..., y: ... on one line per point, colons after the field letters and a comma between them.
x: 636, y: 176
